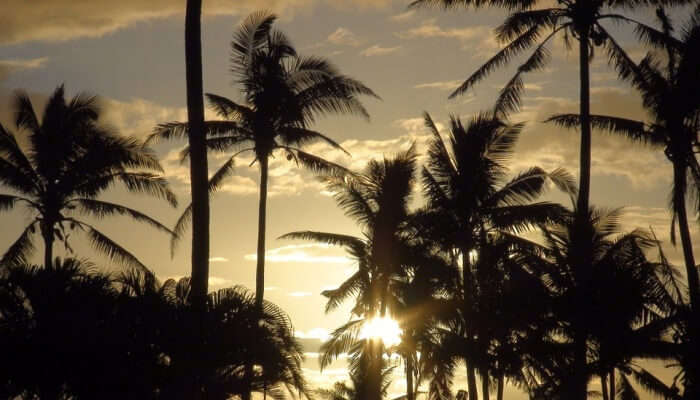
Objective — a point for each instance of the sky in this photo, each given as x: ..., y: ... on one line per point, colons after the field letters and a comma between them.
x: 131, y: 54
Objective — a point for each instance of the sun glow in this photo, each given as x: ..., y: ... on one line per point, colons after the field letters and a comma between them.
x: 385, y: 329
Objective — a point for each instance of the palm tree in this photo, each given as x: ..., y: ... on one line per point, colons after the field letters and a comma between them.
x: 232, y: 327
x: 68, y: 163
x: 198, y: 150
x: 283, y: 94
x: 419, y: 299
x: 469, y: 195
x: 58, y: 324
x: 671, y: 97
x: 602, y: 309
x: 523, y: 30
x: 378, y: 198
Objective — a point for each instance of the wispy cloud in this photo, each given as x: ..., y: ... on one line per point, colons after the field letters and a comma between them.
x: 214, y: 281
x: 138, y: 117
x: 304, y: 253
x: 10, y: 66
x: 478, y: 39
x: 440, y: 85
x: 45, y: 20
x: 404, y: 16
x: 430, y: 29
x: 218, y: 259
x: 377, y: 50
x: 314, y: 333
x: 344, y: 37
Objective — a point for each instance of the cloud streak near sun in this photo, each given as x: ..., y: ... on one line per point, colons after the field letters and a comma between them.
x: 304, y: 253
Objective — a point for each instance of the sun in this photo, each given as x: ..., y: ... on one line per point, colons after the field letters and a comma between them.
x: 384, y: 328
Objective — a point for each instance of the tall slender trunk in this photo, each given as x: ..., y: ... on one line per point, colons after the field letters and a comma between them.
x: 612, y: 385
x: 471, y: 382
x: 580, y: 377
x: 604, y: 385
x: 485, y: 385
x: 693, y: 369
x: 500, y: 387
x: 47, y: 234
x: 585, y: 111
x: 679, y: 173
x: 260, y: 265
x: 468, y: 289
x: 262, y: 212
x: 199, y: 172
x: 410, y: 393
x: 198, y: 153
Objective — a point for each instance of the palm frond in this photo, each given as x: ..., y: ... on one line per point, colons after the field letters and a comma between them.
x: 25, y: 116
x: 147, y: 183
x: 509, y: 97
x: 299, y: 137
x: 503, y: 57
x: 624, y: 389
x: 631, y: 129
x: 228, y: 109
x: 108, y: 247
x: 335, y: 95
x: 100, y: 209
x: 319, y: 165
x: 352, y: 286
x: 19, y: 251
x: 334, y: 239
x: 251, y: 34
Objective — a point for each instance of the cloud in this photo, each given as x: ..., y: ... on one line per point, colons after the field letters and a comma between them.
x: 60, y: 20
x: 404, y: 16
x: 314, y: 333
x: 549, y: 146
x: 304, y: 253
x: 344, y: 37
x: 287, y: 179
x: 138, y: 117
x: 440, y: 85
x: 377, y: 50
x: 430, y: 29
x: 11, y: 66
x: 477, y: 39
x: 218, y: 259
x: 214, y: 281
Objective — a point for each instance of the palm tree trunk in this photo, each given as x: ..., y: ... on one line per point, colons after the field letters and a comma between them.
x: 47, y: 234
x: 198, y: 153
x: 471, y: 382
x: 585, y: 111
x: 262, y: 211
x: 467, y: 287
x: 604, y: 385
x: 679, y: 178
x: 260, y: 266
x: 199, y: 176
x: 580, y: 377
x: 499, y: 388
x: 679, y: 206
x: 612, y: 384
x: 410, y: 394
x: 485, y: 385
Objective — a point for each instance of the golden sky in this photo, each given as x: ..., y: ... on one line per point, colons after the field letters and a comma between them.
x: 131, y: 54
